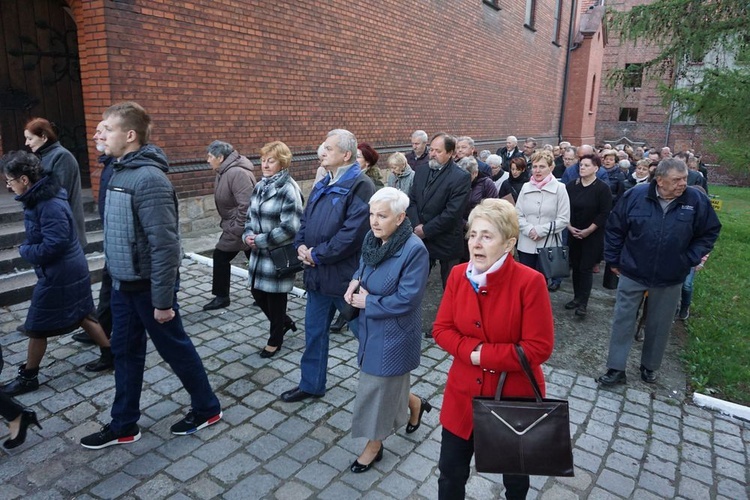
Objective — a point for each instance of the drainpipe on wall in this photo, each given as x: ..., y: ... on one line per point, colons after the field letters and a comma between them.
x: 570, y: 48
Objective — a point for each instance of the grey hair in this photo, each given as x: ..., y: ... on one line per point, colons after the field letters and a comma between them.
x: 346, y: 142
x: 484, y: 154
x: 397, y: 200
x: 469, y: 164
x: 511, y: 138
x: 548, y: 147
x: 571, y: 149
x: 321, y: 148
x: 495, y: 160
x: 624, y: 164
x: 530, y: 140
x: 420, y: 134
x: 220, y: 148
x: 466, y: 138
x: 668, y: 164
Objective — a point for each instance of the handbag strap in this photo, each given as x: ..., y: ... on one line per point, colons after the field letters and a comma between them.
x: 529, y: 374
x: 555, y: 236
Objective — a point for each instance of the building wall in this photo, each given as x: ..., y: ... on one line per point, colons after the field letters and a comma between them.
x: 251, y: 71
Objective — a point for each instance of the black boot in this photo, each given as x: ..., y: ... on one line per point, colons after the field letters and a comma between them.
x: 338, y: 325
x: 105, y: 361
x: 26, y: 381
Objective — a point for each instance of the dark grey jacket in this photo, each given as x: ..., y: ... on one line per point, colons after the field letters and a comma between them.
x: 141, y: 228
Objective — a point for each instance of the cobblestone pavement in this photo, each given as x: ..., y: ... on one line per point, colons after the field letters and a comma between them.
x: 629, y: 443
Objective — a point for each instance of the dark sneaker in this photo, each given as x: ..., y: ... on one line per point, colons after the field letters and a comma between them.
x: 107, y: 437
x: 193, y: 423
x: 683, y: 314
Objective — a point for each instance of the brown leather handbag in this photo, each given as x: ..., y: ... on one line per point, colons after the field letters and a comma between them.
x: 522, y: 436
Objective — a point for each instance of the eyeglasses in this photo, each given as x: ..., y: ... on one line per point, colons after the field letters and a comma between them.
x: 8, y: 182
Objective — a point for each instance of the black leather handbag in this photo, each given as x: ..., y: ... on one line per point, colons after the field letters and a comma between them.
x: 553, y: 260
x: 348, y: 311
x: 285, y: 260
x: 610, y: 279
x: 522, y: 436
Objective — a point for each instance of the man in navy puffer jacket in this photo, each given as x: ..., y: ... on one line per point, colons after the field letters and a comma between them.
x: 655, y: 235
x: 329, y: 243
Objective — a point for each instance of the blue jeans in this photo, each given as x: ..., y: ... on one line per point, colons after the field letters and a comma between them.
x: 314, y: 362
x: 687, y: 291
x: 132, y: 316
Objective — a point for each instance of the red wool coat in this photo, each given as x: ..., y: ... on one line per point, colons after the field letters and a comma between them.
x: 514, y: 308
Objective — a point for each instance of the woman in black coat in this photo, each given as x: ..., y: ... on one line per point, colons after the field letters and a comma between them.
x: 519, y: 176
x: 590, y: 203
x: 62, y: 300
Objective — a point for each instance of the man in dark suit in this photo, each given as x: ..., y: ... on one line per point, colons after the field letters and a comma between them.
x: 509, y: 152
x: 438, y: 198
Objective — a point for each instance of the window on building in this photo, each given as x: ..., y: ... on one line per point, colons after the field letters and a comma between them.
x: 633, y: 77
x: 558, y: 23
x: 628, y: 114
x: 492, y: 3
x: 530, y: 19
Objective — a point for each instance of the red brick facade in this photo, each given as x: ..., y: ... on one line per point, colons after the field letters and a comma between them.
x: 248, y: 72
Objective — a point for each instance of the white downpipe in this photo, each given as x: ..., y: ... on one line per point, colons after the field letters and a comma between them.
x: 237, y: 271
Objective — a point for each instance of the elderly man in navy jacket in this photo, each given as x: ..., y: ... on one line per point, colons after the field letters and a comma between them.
x: 655, y: 234
x: 329, y: 243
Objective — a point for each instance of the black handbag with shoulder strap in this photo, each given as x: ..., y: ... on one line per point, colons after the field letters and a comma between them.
x: 553, y: 260
x: 522, y: 436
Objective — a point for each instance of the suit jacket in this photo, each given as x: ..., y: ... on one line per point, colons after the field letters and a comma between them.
x: 503, y: 153
x: 439, y: 205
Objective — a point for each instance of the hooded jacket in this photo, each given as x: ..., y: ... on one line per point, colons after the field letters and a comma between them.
x: 234, y: 186
x: 654, y: 247
x: 141, y: 227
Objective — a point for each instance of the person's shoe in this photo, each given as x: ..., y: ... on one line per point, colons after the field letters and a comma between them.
x: 193, y: 423
x: 105, y: 361
x: 683, y: 314
x: 581, y: 311
x: 28, y: 417
x: 639, y: 334
x: 338, y: 325
x: 265, y: 353
x: 26, y: 381
x: 572, y: 304
x: 613, y: 377
x: 428, y: 334
x: 358, y: 468
x: 290, y: 325
x: 83, y: 338
x: 553, y: 286
x: 21, y: 328
x: 297, y: 394
x: 108, y: 437
x: 217, y: 303
x: 648, y: 376
x: 424, y: 406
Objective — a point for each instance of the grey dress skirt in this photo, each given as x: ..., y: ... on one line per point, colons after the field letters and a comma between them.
x: 381, y: 406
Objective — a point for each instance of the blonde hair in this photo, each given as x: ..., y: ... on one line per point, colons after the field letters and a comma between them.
x: 278, y: 150
x: 543, y: 155
x: 397, y: 159
x: 500, y: 213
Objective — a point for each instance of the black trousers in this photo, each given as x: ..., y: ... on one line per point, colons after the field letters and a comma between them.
x: 445, y: 268
x: 222, y: 271
x: 583, y: 280
x: 9, y: 409
x: 273, y: 306
x: 103, y: 309
x: 455, y: 457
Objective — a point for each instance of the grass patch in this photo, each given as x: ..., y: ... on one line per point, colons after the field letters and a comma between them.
x: 718, y: 347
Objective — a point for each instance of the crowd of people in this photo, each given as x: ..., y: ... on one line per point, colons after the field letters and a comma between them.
x: 366, y: 243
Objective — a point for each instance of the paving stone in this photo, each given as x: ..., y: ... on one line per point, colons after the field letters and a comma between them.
x: 10, y: 492
x: 600, y: 430
x: 292, y: 429
x: 697, y: 436
x: 733, y: 442
x: 283, y: 467
x: 698, y: 422
x: 159, y: 487
x: 615, y: 483
x: 114, y: 486
x: 592, y: 444
x: 75, y: 480
x: 179, y: 447
x: 233, y: 468
x: 581, y: 481
x: 559, y: 493
x: 623, y: 464
x: 693, y: 490
x: 660, y: 467
x: 338, y: 491
x: 732, y: 489
x: 695, y: 453
x: 145, y: 465
x: 666, y: 435
x: 186, y: 468
x: 398, y: 485
x: 338, y: 458
x: 663, y: 451
x: 205, y: 488
x: 293, y: 491
x: 656, y: 484
x: 587, y: 461
x: 256, y: 486
x: 481, y: 487
x: 266, y: 446
x: 699, y: 472
x: 669, y: 407
x: 113, y: 461
x: 633, y: 421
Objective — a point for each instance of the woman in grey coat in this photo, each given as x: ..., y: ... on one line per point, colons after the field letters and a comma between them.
x: 273, y: 220
x: 234, y: 185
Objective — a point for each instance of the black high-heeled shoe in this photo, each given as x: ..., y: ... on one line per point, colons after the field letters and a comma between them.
x: 265, y: 353
x: 358, y: 468
x: 28, y: 417
x: 291, y: 325
x: 424, y: 406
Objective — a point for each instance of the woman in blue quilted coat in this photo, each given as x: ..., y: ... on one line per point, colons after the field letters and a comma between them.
x: 61, y: 301
x: 388, y: 288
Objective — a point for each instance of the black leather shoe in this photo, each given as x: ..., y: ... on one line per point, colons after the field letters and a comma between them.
x: 424, y: 406
x: 338, y: 325
x: 613, y: 377
x: 290, y: 325
x: 83, y: 338
x: 554, y: 286
x: 296, y: 395
x: 358, y: 468
x: 26, y: 381
x: 572, y: 304
x: 581, y: 311
x: 265, y: 353
x: 648, y: 376
x: 28, y: 418
x: 217, y: 303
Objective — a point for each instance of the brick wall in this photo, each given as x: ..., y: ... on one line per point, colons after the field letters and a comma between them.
x: 249, y: 72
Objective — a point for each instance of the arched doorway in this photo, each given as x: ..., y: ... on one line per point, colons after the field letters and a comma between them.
x: 40, y: 74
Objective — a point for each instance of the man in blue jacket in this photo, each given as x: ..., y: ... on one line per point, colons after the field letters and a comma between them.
x: 142, y: 248
x: 329, y: 243
x: 655, y: 235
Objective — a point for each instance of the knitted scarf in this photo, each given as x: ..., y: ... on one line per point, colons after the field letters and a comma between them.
x: 374, y: 251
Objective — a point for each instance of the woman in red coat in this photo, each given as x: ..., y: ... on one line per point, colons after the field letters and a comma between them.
x: 490, y: 304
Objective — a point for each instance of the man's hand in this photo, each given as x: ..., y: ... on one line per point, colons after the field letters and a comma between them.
x: 163, y: 316
x: 419, y: 231
x: 615, y: 271
x: 305, y: 255
x: 250, y: 241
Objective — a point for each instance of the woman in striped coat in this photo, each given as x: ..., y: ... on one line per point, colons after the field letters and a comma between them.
x: 272, y: 222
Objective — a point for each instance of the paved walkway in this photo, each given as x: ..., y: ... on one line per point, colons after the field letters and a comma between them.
x: 628, y: 443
